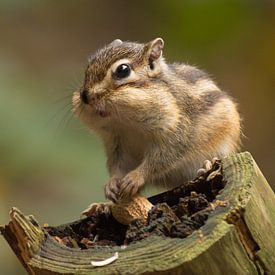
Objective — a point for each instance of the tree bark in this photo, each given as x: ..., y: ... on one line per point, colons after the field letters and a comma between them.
x: 238, y: 238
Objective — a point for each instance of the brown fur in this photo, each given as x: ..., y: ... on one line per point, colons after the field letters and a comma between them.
x: 160, y: 123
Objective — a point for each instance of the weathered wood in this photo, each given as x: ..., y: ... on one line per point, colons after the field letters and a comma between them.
x: 236, y: 239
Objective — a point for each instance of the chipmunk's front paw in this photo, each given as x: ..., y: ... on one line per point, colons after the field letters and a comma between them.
x: 207, y: 166
x: 131, y: 184
x: 112, y: 189
x: 96, y: 208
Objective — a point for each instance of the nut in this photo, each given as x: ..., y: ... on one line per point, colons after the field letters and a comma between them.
x: 126, y: 211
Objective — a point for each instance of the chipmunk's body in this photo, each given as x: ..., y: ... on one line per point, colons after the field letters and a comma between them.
x: 158, y: 121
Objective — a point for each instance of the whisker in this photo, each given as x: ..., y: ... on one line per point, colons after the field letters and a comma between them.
x: 64, y: 121
x: 62, y: 98
x: 69, y: 118
x: 56, y: 113
x: 64, y: 113
x: 77, y: 79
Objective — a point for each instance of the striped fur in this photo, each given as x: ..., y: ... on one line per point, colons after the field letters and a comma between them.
x: 160, y: 123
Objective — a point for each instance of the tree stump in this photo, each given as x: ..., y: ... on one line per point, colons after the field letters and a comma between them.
x: 237, y: 238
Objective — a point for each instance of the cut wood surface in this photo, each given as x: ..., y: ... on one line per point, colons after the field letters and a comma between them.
x: 238, y: 238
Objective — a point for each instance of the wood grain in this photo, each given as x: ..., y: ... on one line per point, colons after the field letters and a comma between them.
x: 238, y: 238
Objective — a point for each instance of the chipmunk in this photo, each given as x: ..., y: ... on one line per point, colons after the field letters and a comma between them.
x: 159, y: 122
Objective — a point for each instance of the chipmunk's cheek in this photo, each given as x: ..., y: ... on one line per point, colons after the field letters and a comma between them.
x: 131, y: 98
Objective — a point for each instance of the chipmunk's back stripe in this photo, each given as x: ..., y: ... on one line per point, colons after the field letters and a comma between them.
x: 188, y: 73
x: 192, y: 75
x: 209, y: 99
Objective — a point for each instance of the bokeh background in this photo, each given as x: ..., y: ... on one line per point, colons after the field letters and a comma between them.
x: 50, y: 165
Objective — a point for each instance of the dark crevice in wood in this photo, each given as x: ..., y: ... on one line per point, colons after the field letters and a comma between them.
x: 211, y: 189
x: 176, y: 213
x: 250, y: 245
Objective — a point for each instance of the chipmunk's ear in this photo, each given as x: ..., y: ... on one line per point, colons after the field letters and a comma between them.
x: 116, y: 42
x: 154, y: 49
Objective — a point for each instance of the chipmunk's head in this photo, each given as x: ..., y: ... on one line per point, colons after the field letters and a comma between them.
x: 121, y: 82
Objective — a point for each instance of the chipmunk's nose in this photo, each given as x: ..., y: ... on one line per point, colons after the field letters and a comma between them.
x: 84, y: 95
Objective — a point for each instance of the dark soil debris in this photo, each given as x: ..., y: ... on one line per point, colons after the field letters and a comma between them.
x: 176, y: 214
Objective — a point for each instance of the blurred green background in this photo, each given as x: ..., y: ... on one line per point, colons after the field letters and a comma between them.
x: 51, y: 166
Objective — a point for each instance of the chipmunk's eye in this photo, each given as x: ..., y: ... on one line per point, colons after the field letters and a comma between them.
x: 122, y: 71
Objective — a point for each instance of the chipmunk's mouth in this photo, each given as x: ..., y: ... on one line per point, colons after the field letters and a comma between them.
x: 97, y: 108
x: 100, y: 109
x: 103, y: 113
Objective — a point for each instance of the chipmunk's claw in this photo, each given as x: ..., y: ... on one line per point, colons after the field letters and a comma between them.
x: 96, y: 208
x: 112, y: 189
x: 207, y: 166
x: 131, y: 184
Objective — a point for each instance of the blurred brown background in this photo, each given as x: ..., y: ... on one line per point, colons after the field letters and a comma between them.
x: 50, y: 164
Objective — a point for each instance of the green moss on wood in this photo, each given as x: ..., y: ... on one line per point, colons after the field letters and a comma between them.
x: 236, y: 239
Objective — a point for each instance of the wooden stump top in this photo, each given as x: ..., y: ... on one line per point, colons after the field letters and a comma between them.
x: 237, y: 238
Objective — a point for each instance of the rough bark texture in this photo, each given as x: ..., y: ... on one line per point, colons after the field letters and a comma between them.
x: 236, y: 239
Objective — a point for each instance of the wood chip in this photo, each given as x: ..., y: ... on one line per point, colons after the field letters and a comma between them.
x: 105, y: 262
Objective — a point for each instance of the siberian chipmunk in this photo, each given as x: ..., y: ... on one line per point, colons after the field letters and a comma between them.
x: 159, y: 122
